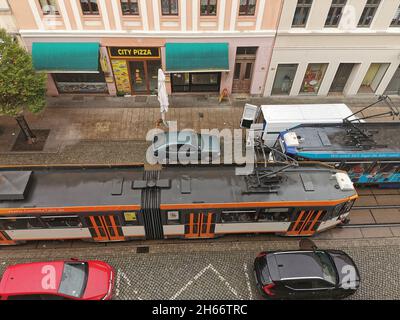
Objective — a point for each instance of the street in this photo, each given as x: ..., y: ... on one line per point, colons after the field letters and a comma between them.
x: 216, y: 269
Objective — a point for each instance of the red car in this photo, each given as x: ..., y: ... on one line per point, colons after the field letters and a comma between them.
x: 58, y: 280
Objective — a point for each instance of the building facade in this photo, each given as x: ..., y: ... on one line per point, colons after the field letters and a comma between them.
x: 336, y: 47
x: 7, y: 20
x: 115, y: 47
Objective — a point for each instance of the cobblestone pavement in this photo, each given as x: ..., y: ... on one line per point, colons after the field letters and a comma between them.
x: 219, y: 270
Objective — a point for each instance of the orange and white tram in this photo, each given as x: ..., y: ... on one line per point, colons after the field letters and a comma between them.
x: 176, y: 202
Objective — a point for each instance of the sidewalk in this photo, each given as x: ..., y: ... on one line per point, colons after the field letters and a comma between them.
x: 106, y: 130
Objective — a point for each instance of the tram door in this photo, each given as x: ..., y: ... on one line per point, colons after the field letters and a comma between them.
x: 305, y: 222
x: 200, y: 225
x: 4, y: 240
x: 105, y: 228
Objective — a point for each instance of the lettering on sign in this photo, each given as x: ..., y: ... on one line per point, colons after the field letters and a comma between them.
x: 118, y: 52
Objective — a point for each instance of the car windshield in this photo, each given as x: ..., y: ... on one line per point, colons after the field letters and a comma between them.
x: 328, y: 269
x: 74, y: 278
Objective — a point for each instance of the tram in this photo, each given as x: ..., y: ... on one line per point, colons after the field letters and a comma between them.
x: 119, y: 204
x: 368, y: 152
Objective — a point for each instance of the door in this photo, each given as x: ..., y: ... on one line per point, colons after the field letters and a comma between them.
x: 305, y: 222
x: 4, y: 240
x: 394, y: 85
x: 341, y: 77
x: 200, y: 225
x: 138, y: 76
x: 242, y: 75
x: 105, y: 228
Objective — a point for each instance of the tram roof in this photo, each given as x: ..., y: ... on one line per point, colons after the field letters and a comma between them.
x: 194, y: 185
x: 337, y: 139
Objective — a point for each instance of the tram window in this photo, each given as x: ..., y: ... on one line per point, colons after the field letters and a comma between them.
x: 64, y: 222
x: 21, y: 223
x: 130, y: 218
x: 274, y: 214
x: 238, y: 216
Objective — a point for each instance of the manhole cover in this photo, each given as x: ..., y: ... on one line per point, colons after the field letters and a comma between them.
x: 142, y: 250
x: 140, y: 99
x: 22, y: 145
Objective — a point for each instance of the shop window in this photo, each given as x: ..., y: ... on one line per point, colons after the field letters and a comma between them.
x: 208, y: 7
x: 89, y: 7
x: 130, y: 218
x: 284, y: 77
x: 247, y: 7
x: 62, y: 221
x: 274, y: 214
x: 49, y: 7
x: 313, y: 77
x: 396, y: 19
x: 169, y: 7
x: 130, y: 7
x: 302, y: 12
x: 238, y: 216
x: 335, y: 13
x: 368, y: 13
x: 21, y: 223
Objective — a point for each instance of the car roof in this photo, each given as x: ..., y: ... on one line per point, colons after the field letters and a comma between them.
x: 298, y: 264
x: 178, y: 136
x: 31, y: 278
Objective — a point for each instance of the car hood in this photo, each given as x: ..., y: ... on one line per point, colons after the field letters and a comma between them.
x: 100, y: 281
x: 210, y: 143
x: 349, y: 276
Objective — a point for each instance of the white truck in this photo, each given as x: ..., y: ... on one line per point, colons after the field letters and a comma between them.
x: 270, y: 120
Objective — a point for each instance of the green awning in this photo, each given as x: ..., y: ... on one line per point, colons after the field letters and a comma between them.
x: 66, y: 56
x: 197, y: 57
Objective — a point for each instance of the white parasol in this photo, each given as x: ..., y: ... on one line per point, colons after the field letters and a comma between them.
x: 162, y: 95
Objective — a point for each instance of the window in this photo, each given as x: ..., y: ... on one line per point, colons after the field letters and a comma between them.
x: 247, y: 7
x: 301, y: 14
x: 284, y: 78
x: 368, y: 13
x: 169, y: 7
x: 74, y: 278
x: 274, y: 214
x: 130, y: 7
x: 62, y: 221
x: 396, y: 19
x: 313, y: 78
x: 335, y: 13
x: 49, y: 7
x: 21, y: 223
x: 238, y: 216
x: 208, y: 7
x: 89, y: 7
x: 246, y: 50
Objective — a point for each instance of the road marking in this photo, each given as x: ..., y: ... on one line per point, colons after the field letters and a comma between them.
x: 248, y: 281
x: 198, y: 275
x: 121, y: 274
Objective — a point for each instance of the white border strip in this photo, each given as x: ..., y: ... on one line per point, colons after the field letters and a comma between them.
x: 104, y: 14
x: 183, y: 15
x: 143, y: 12
x: 117, y: 16
x: 77, y: 15
x: 234, y: 13
x: 221, y: 15
x: 260, y: 14
x: 64, y: 14
x: 36, y: 14
x: 156, y: 15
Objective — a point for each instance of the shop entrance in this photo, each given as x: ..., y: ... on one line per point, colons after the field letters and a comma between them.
x: 143, y: 76
x: 341, y: 77
x: 394, y: 85
x: 373, y: 77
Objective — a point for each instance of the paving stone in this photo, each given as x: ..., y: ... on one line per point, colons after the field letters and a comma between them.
x: 361, y: 217
x: 395, y: 231
x: 346, y: 233
x: 376, y: 232
x: 386, y: 215
x: 387, y: 200
x: 366, y: 201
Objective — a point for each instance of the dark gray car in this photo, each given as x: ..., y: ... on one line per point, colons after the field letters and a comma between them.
x: 306, y: 274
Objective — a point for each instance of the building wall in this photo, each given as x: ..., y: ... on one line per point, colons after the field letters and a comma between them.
x: 346, y: 43
x: 7, y: 20
x: 151, y: 28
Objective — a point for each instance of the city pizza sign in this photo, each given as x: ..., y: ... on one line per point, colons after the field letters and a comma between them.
x: 134, y: 52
